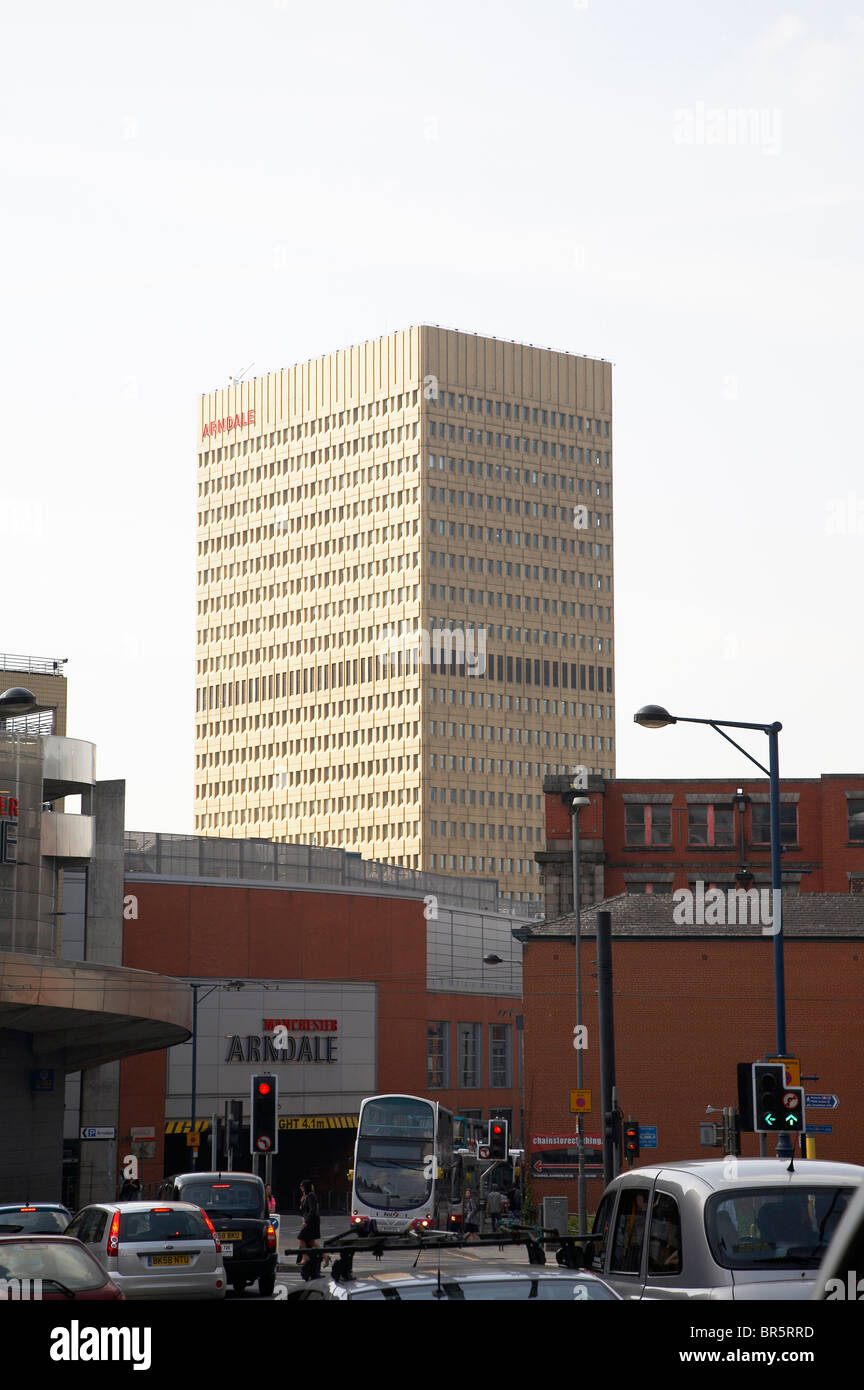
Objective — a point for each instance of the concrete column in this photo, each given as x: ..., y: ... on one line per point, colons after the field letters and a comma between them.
x: 31, y: 1136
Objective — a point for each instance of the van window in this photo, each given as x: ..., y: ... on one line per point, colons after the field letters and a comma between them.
x: 664, y: 1241
x: 629, y: 1234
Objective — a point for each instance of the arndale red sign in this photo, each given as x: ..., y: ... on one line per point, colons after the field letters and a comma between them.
x: 230, y: 422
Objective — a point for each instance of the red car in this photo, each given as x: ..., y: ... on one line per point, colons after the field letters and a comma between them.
x: 42, y: 1268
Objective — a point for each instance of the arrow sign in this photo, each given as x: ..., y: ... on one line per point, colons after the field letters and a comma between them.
x: 823, y: 1102
x: 770, y: 1119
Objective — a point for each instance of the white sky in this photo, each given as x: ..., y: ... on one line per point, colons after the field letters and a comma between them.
x: 189, y: 188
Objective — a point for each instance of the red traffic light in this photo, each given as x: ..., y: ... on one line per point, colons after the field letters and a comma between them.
x: 497, y: 1129
x: 263, y: 1088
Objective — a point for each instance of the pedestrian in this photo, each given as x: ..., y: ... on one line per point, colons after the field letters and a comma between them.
x: 310, y: 1231
x: 494, y: 1204
x: 514, y: 1197
x: 271, y: 1200
x: 130, y: 1190
x: 470, y: 1218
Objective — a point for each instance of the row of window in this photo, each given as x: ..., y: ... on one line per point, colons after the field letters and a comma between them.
x: 469, y: 1055
x: 714, y: 824
x: 519, y: 444
x: 536, y: 415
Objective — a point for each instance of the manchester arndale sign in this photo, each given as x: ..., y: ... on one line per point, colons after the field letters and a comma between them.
x: 320, y: 1037
x: 287, y: 1040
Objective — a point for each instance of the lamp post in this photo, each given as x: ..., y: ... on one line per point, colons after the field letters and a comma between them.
x: 656, y: 717
x: 582, y: 1196
x: 232, y: 984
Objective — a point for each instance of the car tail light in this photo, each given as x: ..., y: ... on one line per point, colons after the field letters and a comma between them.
x: 27, y: 1208
x: 213, y: 1233
x: 114, y: 1235
x: 161, y: 1210
x: 356, y: 1220
x: 271, y: 1237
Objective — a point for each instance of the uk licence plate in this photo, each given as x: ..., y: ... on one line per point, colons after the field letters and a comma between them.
x: 230, y: 1235
x: 168, y: 1260
x: 227, y: 1249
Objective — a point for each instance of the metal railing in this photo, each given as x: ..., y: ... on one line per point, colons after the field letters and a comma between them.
x: 202, y: 856
x: 32, y: 665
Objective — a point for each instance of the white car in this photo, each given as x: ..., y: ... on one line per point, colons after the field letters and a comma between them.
x: 734, y: 1228
x: 154, y: 1249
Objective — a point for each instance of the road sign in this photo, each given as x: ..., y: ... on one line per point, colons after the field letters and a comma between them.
x: 193, y: 1141
x: 484, y: 1151
x: 580, y: 1102
x: 648, y: 1136
x: 822, y: 1102
x: 820, y: 1129
x: 793, y: 1069
x: 99, y: 1132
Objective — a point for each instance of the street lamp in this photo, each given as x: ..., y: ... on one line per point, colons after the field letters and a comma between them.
x: 230, y: 984
x: 577, y: 804
x: 656, y: 717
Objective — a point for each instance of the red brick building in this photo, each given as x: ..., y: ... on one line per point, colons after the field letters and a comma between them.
x: 691, y: 1001
x: 644, y: 835
x: 404, y: 999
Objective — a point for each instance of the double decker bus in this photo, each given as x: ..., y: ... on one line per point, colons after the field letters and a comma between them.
x: 403, y: 1163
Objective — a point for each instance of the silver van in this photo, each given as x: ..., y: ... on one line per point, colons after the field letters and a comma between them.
x: 733, y: 1228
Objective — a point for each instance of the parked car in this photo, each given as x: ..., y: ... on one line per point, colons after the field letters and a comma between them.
x: 65, y: 1269
x: 236, y: 1203
x: 495, y: 1282
x: 841, y: 1273
x: 154, y: 1249
x: 720, y: 1229
x: 43, y: 1218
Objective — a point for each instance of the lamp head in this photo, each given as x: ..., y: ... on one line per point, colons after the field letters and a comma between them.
x: 653, y: 717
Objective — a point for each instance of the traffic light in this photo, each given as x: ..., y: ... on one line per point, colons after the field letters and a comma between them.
x: 631, y: 1140
x: 233, y: 1122
x: 768, y: 1088
x: 264, y: 1124
x: 498, y: 1145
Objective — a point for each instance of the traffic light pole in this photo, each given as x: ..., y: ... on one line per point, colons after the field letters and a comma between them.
x: 606, y: 1029
x: 582, y: 1193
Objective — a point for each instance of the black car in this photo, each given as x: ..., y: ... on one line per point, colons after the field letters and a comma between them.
x: 237, y: 1206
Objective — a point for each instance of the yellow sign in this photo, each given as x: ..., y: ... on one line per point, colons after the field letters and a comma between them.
x: 793, y: 1069
x: 580, y: 1102
x: 193, y: 1141
x: 318, y: 1122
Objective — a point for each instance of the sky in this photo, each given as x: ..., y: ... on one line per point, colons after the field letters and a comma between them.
x: 188, y: 190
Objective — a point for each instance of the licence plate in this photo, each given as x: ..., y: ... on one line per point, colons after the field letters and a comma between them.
x: 230, y: 1235
x: 154, y: 1260
x: 227, y: 1249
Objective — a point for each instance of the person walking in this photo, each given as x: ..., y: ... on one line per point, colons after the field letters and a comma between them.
x: 514, y: 1197
x: 310, y: 1232
x: 494, y: 1205
x: 472, y: 1213
x: 271, y: 1200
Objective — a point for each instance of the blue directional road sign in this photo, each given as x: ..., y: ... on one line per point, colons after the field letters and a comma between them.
x: 648, y: 1136
x: 820, y: 1129
x: 821, y: 1102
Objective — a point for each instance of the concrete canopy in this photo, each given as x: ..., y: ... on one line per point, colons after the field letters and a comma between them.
x: 91, y: 1013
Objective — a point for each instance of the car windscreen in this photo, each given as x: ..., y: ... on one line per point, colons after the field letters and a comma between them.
x: 774, y: 1227
x: 51, y: 1261
x: 163, y: 1225
x: 226, y: 1198
x: 30, y: 1220
x: 493, y: 1290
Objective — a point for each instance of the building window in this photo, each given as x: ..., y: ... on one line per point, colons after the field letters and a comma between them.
x: 855, y: 812
x: 469, y: 1055
x: 500, y: 1055
x: 438, y: 1055
x: 648, y: 825
x: 710, y: 825
x: 761, y: 824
